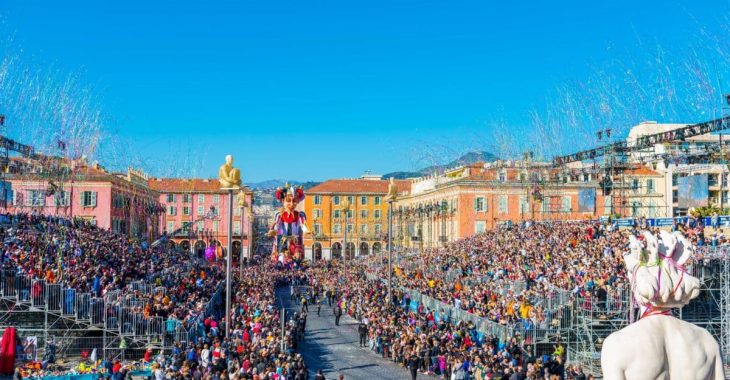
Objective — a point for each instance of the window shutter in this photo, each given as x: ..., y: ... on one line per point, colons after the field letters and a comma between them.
x: 476, y: 205
x: 29, y: 198
x: 93, y: 199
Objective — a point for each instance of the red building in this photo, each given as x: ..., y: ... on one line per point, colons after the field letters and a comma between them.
x: 196, y: 214
x: 121, y: 202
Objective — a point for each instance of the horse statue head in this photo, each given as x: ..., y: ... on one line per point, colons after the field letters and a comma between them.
x: 656, y: 270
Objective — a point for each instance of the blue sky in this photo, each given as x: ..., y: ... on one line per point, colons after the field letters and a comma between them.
x: 322, y: 89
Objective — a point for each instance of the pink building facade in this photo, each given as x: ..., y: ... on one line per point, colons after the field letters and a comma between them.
x: 121, y: 202
x: 196, y: 215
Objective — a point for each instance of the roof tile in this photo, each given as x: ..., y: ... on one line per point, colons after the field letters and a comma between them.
x: 357, y: 186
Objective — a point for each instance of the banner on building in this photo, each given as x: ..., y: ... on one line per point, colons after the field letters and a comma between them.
x: 586, y: 200
x: 693, y: 191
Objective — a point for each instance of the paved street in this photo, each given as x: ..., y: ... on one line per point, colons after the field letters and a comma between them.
x: 335, y: 349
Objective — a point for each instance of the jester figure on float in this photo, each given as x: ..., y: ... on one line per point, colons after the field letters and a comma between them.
x: 289, y: 227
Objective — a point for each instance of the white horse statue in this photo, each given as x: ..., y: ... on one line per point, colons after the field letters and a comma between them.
x: 658, y: 345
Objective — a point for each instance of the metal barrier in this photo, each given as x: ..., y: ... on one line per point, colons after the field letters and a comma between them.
x: 115, y: 312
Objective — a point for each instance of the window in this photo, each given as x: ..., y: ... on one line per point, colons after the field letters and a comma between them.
x: 336, y: 200
x: 350, y: 228
x: 317, y: 229
x: 201, y: 198
x: 349, y: 214
x: 635, y: 208
x: 503, y: 208
x: 523, y: 177
x: 201, y: 210
x: 186, y: 210
x: 606, y: 205
x: 480, y: 226
x: 724, y: 180
x: 363, y: 200
x: 171, y: 210
x: 237, y: 227
x: 216, y: 198
x: 652, y: 212
x: 318, y: 199
x: 649, y: 186
x: 36, y: 198
x: 376, y: 214
x: 187, y: 198
x: 351, y: 199
x: 480, y: 204
x: 170, y: 198
x: 524, y: 204
x: 502, y: 176
x: 634, y: 184
x: 376, y: 201
x: 215, y: 226
x: 675, y: 196
x: 337, y: 228
x: 200, y: 226
x: 712, y: 179
x: 170, y: 227
x: 363, y: 214
x: 363, y: 229
x: 88, y: 199
x: 455, y: 204
x: 545, y: 206
x: 338, y: 214
x: 566, y: 204
x: 377, y: 229
x: 214, y: 210
x: 724, y: 197
x: 62, y: 198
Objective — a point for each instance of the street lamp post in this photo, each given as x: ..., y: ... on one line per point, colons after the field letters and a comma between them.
x: 242, y: 204
x: 392, y: 195
x: 230, y: 180
x: 250, y: 232
x: 346, y: 207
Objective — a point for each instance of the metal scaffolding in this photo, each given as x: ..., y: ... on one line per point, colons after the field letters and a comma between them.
x: 115, y: 324
x: 597, y: 317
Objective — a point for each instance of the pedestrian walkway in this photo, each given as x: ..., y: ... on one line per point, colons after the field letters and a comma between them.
x: 336, y: 349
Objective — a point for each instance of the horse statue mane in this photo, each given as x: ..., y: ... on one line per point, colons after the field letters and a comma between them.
x: 658, y: 345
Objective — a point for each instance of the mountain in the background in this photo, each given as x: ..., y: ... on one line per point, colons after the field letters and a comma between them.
x: 274, y: 183
x: 466, y: 159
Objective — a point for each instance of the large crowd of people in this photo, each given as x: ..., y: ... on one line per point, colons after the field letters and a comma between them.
x: 86, y: 259
x: 505, y: 275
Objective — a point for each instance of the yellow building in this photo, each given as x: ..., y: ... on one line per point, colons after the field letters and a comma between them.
x: 366, y: 223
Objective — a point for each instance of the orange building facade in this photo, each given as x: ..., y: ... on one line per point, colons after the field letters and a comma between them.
x: 478, y: 197
x: 366, y: 222
x: 432, y: 211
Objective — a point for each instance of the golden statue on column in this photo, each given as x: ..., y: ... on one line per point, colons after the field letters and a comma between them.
x: 228, y: 176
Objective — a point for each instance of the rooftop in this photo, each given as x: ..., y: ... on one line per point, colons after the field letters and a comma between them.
x: 186, y: 185
x: 358, y: 186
